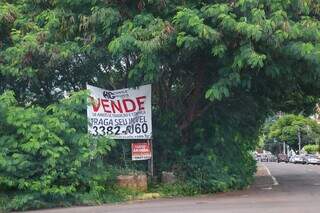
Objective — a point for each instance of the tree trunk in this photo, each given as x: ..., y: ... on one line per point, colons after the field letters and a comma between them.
x: 193, y: 103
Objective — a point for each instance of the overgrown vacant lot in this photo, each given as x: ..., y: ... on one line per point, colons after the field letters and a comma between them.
x: 218, y: 69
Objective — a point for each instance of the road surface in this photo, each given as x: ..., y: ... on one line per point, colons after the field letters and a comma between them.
x: 278, y: 188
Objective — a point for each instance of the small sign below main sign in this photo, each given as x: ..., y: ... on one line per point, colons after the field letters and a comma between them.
x: 141, y: 151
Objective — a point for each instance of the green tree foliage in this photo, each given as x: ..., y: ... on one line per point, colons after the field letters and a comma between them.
x: 218, y: 67
x: 286, y: 129
x: 265, y: 142
x: 46, y: 155
x: 212, y: 48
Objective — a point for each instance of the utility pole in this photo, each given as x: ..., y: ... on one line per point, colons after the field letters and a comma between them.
x: 284, y: 148
x: 299, y: 140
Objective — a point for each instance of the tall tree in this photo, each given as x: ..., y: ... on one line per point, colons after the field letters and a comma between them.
x: 287, y: 128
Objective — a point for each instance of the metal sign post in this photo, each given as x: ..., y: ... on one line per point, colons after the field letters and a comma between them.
x: 150, y: 161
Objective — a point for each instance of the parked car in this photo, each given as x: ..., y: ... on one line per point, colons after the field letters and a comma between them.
x: 264, y: 158
x: 312, y: 159
x: 282, y: 158
x: 299, y: 159
x: 272, y: 158
x: 267, y: 158
x: 291, y: 159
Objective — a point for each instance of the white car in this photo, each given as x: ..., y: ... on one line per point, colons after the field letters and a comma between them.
x: 312, y: 159
x: 298, y: 159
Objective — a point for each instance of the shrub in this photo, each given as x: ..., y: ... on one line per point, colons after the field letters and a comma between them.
x: 46, y: 157
x: 177, y: 189
x: 209, y: 174
x: 311, y: 148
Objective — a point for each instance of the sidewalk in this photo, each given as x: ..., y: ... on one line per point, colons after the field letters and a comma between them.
x: 263, y: 180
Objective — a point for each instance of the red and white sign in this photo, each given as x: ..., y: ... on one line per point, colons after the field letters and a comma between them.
x: 120, y: 114
x: 141, y: 151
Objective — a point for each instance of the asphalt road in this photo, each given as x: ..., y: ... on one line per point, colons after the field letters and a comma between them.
x: 278, y: 188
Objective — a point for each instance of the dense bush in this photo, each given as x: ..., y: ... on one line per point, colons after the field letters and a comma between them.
x: 312, y: 148
x: 211, y: 175
x: 207, y: 173
x: 46, y: 156
x: 217, y: 157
